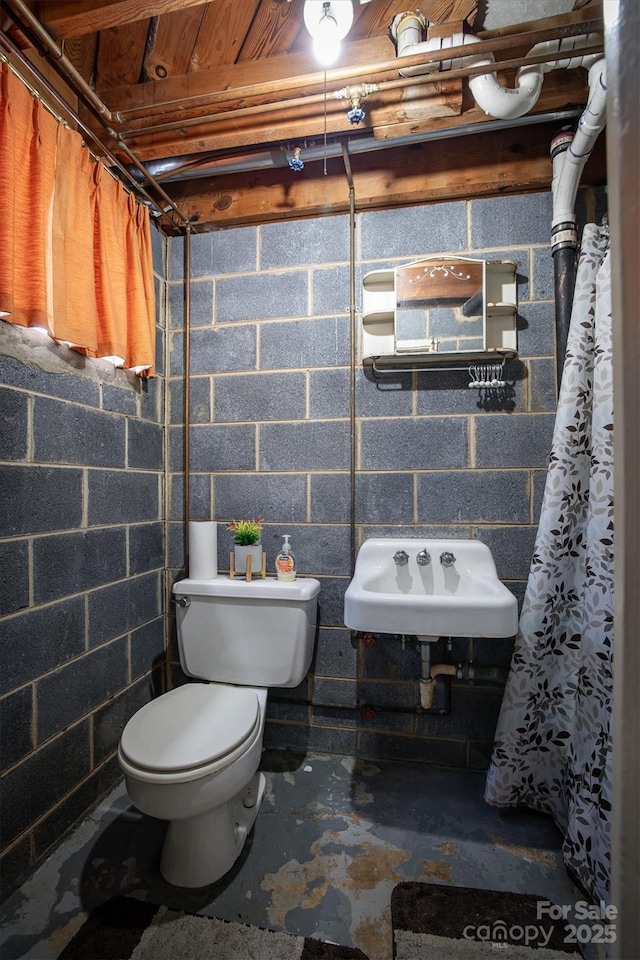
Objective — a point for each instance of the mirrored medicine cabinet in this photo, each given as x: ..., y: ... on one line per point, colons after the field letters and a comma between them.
x: 439, y: 311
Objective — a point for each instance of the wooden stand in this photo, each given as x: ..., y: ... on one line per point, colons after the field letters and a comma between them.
x: 249, y: 573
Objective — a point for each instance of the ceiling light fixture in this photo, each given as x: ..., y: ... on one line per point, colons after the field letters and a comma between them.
x: 328, y: 22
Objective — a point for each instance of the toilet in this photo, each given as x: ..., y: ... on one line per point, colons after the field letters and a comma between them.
x: 191, y: 756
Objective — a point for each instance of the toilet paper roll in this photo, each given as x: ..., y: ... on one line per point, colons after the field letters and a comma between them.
x: 203, y: 549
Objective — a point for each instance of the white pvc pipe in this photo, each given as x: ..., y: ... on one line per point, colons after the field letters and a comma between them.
x: 491, y: 96
x: 568, y: 166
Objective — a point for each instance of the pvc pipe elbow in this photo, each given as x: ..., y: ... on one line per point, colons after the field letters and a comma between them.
x: 427, y: 687
x: 572, y: 162
x: 503, y: 102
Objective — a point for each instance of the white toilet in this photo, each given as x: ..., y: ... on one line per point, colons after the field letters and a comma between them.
x: 191, y: 755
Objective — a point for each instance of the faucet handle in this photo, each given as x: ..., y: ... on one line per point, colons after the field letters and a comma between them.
x: 401, y: 558
x: 424, y: 558
x: 447, y: 559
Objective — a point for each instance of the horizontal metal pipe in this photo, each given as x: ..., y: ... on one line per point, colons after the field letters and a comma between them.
x: 103, y: 153
x: 22, y: 15
x: 319, y: 98
x: 188, y: 169
x: 51, y: 92
x: 340, y: 74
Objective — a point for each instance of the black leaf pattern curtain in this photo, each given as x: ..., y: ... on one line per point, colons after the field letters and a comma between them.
x: 553, y: 741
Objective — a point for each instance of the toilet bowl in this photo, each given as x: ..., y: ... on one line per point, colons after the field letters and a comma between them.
x: 191, y: 756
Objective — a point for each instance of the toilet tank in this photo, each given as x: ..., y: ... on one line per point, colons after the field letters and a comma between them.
x: 261, y: 634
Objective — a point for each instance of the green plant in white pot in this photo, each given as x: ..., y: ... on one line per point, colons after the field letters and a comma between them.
x: 247, y: 536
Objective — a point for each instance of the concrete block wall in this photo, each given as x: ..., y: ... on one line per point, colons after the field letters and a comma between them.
x: 82, y: 555
x: 270, y: 437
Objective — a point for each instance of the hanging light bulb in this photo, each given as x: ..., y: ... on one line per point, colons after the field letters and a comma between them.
x: 328, y: 21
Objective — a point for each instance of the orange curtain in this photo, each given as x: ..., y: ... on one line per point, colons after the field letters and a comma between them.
x: 75, y: 247
x: 28, y: 135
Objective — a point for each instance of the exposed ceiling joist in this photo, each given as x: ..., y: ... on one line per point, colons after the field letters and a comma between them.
x: 508, y: 161
x: 74, y: 18
x: 230, y: 88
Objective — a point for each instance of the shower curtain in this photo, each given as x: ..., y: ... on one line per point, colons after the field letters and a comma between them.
x: 552, y: 750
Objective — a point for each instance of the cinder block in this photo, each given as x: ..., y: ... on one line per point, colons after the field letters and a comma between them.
x: 303, y: 446
x: 300, y: 242
x: 37, y: 641
x: 277, y: 498
x: 414, y: 231
x: 505, y: 221
x: 321, y: 342
x: 523, y: 440
x: 16, y: 716
x: 38, y: 499
x: 407, y: 444
x: 119, y: 496
x: 464, y: 496
x: 145, y: 445
x: 13, y: 424
x: 260, y: 396
x: 14, y: 582
x: 146, y: 547
x: 73, y: 562
x: 116, y: 609
x: 75, y: 689
x: 37, y: 783
x: 224, y: 349
x: 260, y: 296
x: 67, y: 433
x: 218, y: 448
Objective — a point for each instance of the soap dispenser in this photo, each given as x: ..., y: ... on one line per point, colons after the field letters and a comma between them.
x: 285, y: 562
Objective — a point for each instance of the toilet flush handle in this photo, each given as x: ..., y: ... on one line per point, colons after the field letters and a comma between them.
x: 183, y: 602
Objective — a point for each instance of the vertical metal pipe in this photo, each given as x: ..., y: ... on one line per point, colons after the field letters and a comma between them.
x: 353, y: 340
x: 187, y: 388
x: 564, y: 278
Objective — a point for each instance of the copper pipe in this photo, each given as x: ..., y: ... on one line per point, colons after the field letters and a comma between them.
x: 68, y: 72
x: 341, y: 74
x: 22, y: 15
x: 186, y: 280
x: 101, y: 151
x: 352, y: 355
x: 318, y: 98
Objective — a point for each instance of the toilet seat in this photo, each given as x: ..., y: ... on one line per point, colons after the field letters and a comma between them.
x: 190, y: 728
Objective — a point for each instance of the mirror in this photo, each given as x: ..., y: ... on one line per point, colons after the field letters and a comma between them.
x: 440, y: 305
x: 440, y: 310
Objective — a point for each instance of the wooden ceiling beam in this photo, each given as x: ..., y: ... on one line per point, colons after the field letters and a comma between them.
x: 283, y: 69
x: 389, y: 114
x: 491, y: 164
x: 229, y: 76
x: 74, y: 18
x: 485, y: 165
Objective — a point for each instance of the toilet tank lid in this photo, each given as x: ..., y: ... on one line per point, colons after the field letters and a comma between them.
x: 304, y: 588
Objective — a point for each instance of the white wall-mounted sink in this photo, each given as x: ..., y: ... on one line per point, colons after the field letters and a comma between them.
x: 462, y: 599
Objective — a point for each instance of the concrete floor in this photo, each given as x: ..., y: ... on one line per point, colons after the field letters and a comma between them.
x: 333, y: 838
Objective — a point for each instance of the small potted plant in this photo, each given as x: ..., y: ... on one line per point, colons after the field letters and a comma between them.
x: 246, y: 541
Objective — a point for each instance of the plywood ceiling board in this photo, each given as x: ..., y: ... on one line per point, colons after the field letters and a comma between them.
x: 170, y: 50
x: 274, y: 28
x: 74, y: 18
x: 120, y: 54
x: 224, y: 27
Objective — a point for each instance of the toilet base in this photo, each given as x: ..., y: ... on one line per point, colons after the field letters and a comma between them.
x: 200, y: 850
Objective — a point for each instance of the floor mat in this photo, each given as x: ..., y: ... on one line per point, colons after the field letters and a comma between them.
x: 127, y: 929
x: 439, y: 922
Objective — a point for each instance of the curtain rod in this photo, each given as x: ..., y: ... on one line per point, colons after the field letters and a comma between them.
x: 29, y: 23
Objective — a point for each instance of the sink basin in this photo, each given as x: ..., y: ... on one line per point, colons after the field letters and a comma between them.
x: 465, y: 599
